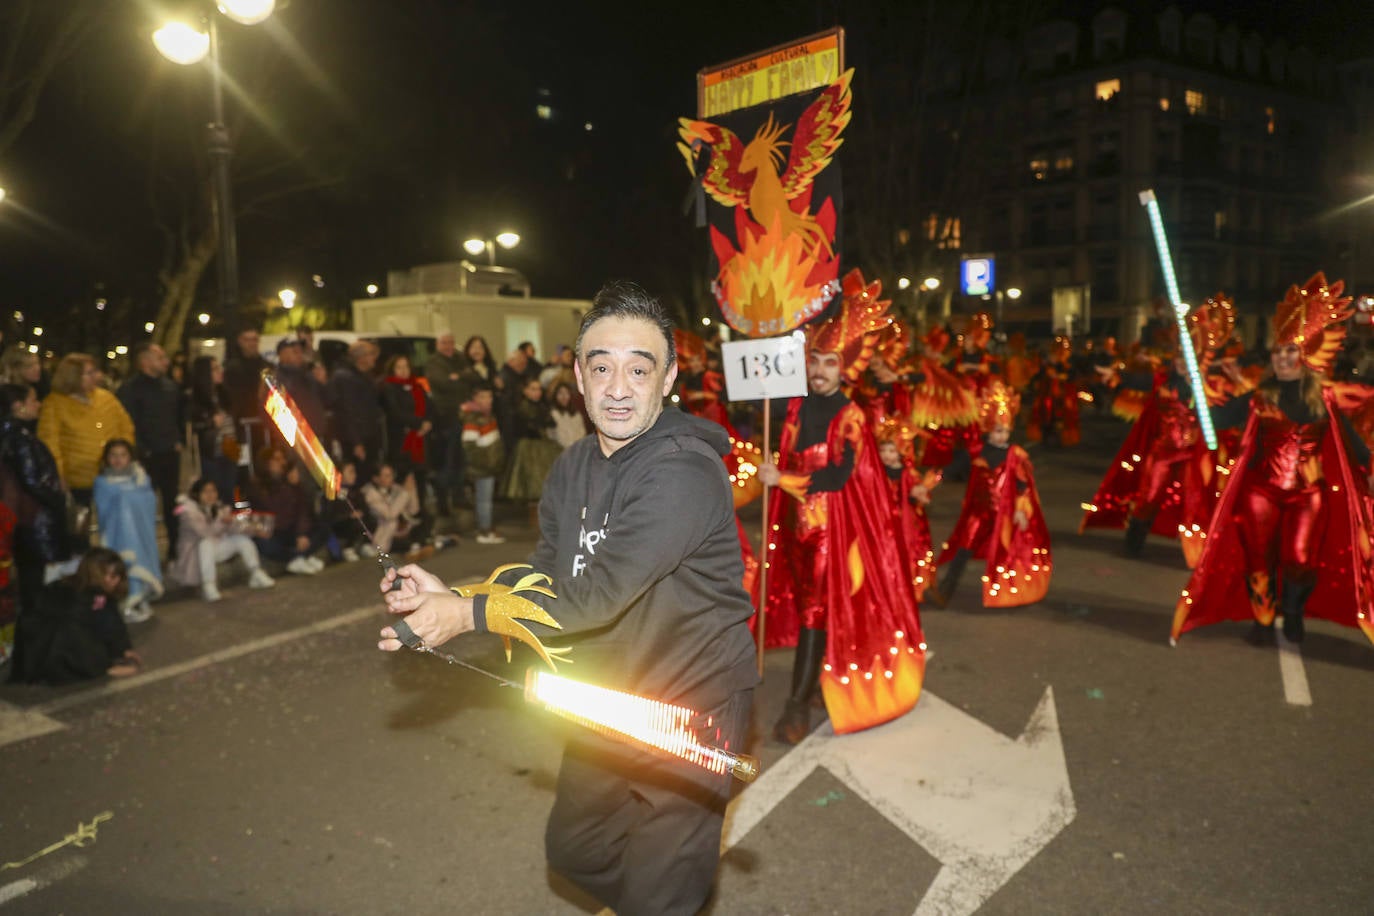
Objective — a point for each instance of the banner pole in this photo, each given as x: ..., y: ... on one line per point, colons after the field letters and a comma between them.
x: 763, y: 565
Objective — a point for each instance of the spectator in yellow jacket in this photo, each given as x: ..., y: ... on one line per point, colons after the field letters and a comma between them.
x: 77, y: 419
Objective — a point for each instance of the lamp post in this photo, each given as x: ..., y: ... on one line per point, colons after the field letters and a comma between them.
x: 475, y: 246
x: 1013, y: 293
x: 185, y: 45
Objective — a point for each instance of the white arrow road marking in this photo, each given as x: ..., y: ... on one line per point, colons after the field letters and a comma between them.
x: 978, y: 801
x: 1294, y: 675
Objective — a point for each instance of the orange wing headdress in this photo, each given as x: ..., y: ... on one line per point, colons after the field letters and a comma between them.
x: 980, y: 329
x: 853, y: 331
x: 999, y: 406
x: 1313, y: 317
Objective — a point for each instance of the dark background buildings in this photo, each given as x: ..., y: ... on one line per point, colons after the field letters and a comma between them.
x: 376, y: 136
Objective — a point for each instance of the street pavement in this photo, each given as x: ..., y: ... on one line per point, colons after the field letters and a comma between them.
x: 1063, y: 759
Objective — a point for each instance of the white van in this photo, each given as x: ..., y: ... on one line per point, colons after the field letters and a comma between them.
x: 331, y: 346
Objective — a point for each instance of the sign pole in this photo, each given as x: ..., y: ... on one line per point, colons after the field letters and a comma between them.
x: 767, y: 553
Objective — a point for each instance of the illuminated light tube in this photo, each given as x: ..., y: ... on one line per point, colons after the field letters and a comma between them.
x: 1185, y: 340
x: 291, y: 423
x: 639, y: 721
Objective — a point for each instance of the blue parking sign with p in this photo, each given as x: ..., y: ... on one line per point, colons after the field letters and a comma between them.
x: 978, y: 275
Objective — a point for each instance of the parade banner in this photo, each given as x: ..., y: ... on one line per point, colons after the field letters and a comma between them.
x: 773, y: 200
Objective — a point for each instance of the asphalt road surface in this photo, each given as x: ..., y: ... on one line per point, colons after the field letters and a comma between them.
x: 1063, y: 759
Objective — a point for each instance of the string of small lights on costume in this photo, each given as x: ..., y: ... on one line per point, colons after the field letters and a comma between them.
x: 631, y: 719
x: 1204, y: 415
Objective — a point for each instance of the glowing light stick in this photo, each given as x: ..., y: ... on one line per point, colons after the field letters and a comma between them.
x: 1185, y: 340
x: 291, y: 423
x: 295, y: 429
x: 642, y: 722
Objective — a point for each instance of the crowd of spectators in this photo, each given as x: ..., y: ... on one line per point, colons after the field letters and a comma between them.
x: 173, y: 471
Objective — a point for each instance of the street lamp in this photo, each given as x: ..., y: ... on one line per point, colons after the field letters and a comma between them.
x: 903, y: 282
x: 372, y: 289
x: 1013, y: 293
x: 185, y: 45
x: 288, y: 299
x: 931, y: 283
x: 475, y: 246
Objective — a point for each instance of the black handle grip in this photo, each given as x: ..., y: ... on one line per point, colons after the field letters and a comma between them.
x: 388, y: 563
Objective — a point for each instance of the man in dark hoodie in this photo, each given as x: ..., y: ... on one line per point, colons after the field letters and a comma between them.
x: 638, y: 534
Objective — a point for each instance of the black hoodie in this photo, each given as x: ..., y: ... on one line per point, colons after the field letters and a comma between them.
x: 645, y: 560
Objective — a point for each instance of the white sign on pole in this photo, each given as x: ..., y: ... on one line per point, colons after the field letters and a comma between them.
x: 771, y: 367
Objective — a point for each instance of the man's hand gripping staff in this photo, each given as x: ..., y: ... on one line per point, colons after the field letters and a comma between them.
x: 436, y: 614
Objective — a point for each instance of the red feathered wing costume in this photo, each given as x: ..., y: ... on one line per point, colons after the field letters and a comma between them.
x: 1018, y: 561
x: 875, y: 653
x: 1345, y: 587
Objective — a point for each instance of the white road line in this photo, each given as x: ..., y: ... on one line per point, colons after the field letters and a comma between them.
x: 17, y: 724
x: 49, y: 873
x: 159, y: 674
x: 1295, y: 689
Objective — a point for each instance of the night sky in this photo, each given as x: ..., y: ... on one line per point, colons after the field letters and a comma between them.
x: 378, y: 135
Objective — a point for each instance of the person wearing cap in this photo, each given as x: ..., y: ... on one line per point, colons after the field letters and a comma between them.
x: 296, y: 377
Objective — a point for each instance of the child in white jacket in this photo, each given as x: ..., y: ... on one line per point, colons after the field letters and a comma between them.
x: 208, y: 536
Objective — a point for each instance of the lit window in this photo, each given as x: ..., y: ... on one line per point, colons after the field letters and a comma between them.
x: 1039, y: 167
x: 1106, y: 89
x: 1269, y: 119
x: 1063, y: 162
x: 545, y: 112
x: 1163, y: 103
x: 1195, y: 101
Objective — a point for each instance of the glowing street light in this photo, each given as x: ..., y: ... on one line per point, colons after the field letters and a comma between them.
x: 183, y: 44
x: 1014, y: 292
x: 931, y: 283
x: 247, y: 12
x: 288, y: 298
x: 475, y: 246
x: 148, y: 326
x: 372, y: 289
x: 903, y: 282
x: 203, y: 318
x: 121, y: 349
x: 37, y: 332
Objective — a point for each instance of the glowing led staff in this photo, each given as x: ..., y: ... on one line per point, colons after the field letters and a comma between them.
x: 1185, y: 340
x: 636, y: 720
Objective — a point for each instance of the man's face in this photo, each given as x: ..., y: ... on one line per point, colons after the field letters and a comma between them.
x: 823, y: 373
x: 624, y: 375
x: 1287, y: 362
x: 445, y: 344
x: 155, y: 361
x: 248, y: 343
x: 367, y: 359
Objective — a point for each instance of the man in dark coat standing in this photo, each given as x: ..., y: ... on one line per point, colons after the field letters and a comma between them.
x: 158, y: 409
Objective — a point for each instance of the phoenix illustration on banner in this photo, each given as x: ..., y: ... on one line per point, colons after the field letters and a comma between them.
x: 780, y: 269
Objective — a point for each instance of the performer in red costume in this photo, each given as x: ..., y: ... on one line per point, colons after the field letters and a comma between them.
x: 700, y: 392
x: 899, y: 448
x: 1164, y: 478
x: 1290, y: 533
x: 942, y: 404
x: 1054, y: 411
x: 837, y: 586
x: 1001, y: 520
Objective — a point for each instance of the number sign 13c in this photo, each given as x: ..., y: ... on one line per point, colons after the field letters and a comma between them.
x: 773, y: 367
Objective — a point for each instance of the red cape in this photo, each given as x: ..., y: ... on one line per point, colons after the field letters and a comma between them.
x: 1216, y: 591
x: 1018, y: 561
x: 875, y: 652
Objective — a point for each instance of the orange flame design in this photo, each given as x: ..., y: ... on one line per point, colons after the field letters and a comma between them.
x: 771, y: 274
